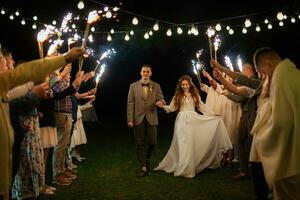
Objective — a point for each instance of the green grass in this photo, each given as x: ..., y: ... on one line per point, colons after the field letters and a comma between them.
x: 109, y: 172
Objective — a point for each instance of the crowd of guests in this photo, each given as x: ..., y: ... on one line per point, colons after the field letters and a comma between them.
x: 40, y: 111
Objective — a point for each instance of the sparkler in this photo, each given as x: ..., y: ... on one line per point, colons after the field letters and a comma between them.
x: 42, y: 36
x: 217, y: 43
x: 228, y: 63
x: 197, y: 70
x: 107, y: 54
x: 210, y: 32
x: 98, y: 76
x: 93, y: 17
x: 239, y: 63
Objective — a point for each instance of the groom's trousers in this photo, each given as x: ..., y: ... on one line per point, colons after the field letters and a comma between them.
x: 145, y: 136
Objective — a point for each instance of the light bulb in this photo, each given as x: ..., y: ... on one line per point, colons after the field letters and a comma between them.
x: 80, y: 5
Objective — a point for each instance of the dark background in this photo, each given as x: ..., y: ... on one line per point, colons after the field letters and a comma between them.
x: 170, y: 57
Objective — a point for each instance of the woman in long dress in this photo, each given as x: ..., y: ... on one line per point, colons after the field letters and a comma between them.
x: 199, y: 140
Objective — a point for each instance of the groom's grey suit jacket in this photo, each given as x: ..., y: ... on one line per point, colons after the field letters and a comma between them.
x: 138, y: 107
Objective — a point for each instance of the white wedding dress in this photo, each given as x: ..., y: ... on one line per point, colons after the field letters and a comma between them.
x: 198, y: 141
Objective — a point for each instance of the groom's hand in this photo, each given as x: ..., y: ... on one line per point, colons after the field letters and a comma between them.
x: 130, y: 124
x: 160, y: 103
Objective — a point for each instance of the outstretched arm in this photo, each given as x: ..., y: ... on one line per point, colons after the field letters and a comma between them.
x: 221, y: 68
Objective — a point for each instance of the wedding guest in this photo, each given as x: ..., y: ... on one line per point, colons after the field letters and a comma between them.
x: 276, y: 132
x: 34, y: 70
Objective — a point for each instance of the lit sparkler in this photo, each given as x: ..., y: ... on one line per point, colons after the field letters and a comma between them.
x: 217, y: 43
x: 239, y: 63
x: 210, y: 32
x: 228, y: 63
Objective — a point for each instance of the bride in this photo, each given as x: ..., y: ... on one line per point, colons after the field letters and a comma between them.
x: 199, y: 140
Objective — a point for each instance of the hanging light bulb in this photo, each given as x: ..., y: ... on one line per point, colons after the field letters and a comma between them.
x: 23, y: 21
x: 279, y: 16
x: 11, y: 17
x: 218, y: 27
x: 156, y: 27
x: 146, y: 35
x: 73, y: 26
x: 112, y: 31
x: 35, y: 18
x: 270, y: 26
x: 169, y: 32
x: 179, y: 30
x: 247, y: 23
x: 54, y: 22
x: 115, y: 9
x: 108, y: 37
x: 135, y: 21
x: 189, y: 32
x: 93, y: 29
x: 299, y: 16
x: 127, y: 37
x: 196, y: 32
x: 106, y: 9
x: 131, y: 32
x: 293, y: 20
x: 2, y: 11
x: 80, y: 5
x: 91, y: 39
x: 108, y: 14
x: 244, y: 30
x: 193, y: 29
x: 281, y: 23
x: 17, y: 13
x: 284, y: 17
x: 266, y: 21
x: 227, y: 28
x: 150, y: 32
x: 257, y: 28
x: 231, y: 32
x: 34, y: 26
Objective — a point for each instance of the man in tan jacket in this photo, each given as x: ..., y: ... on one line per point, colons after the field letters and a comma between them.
x: 35, y: 71
x: 143, y: 96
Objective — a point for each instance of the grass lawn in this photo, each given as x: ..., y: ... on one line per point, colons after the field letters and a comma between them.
x: 109, y: 172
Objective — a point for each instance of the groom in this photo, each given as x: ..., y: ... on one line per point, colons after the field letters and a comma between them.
x: 143, y: 96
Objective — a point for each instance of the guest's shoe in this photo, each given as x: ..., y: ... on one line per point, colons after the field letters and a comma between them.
x: 240, y: 176
x: 142, y: 173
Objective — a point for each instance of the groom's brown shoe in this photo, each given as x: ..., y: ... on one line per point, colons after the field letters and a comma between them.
x: 142, y: 173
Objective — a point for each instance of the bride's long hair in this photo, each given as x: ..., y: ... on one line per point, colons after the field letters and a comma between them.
x: 179, y: 94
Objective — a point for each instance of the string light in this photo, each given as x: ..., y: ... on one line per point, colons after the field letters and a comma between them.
x: 35, y: 18
x: 11, y: 17
x: 34, y: 26
x: 108, y: 14
x: 109, y: 38
x: 23, y: 21
x: 218, y: 27
x: 247, y: 23
x: 127, y: 37
x: 227, y: 28
x: 112, y: 31
x: 54, y: 22
x: 156, y: 27
x: 231, y: 32
x: 135, y: 21
x: 279, y: 16
x: 2, y: 11
x: 244, y: 30
x: 270, y: 26
x: 281, y: 23
x: 80, y: 5
x: 266, y: 21
x: 257, y: 28
x: 150, y: 32
x: 115, y: 9
x: 293, y: 20
x: 131, y: 32
x: 17, y: 13
x: 93, y: 29
x: 179, y: 30
x: 169, y: 32
x: 146, y: 36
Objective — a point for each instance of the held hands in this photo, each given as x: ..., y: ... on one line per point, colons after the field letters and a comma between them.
x: 160, y: 103
x: 130, y: 124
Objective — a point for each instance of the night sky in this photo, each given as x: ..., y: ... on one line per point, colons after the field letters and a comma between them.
x: 170, y: 57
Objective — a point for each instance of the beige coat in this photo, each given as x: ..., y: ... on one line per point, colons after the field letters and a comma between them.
x: 36, y: 71
x: 277, y: 141
x: 138, y: 107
